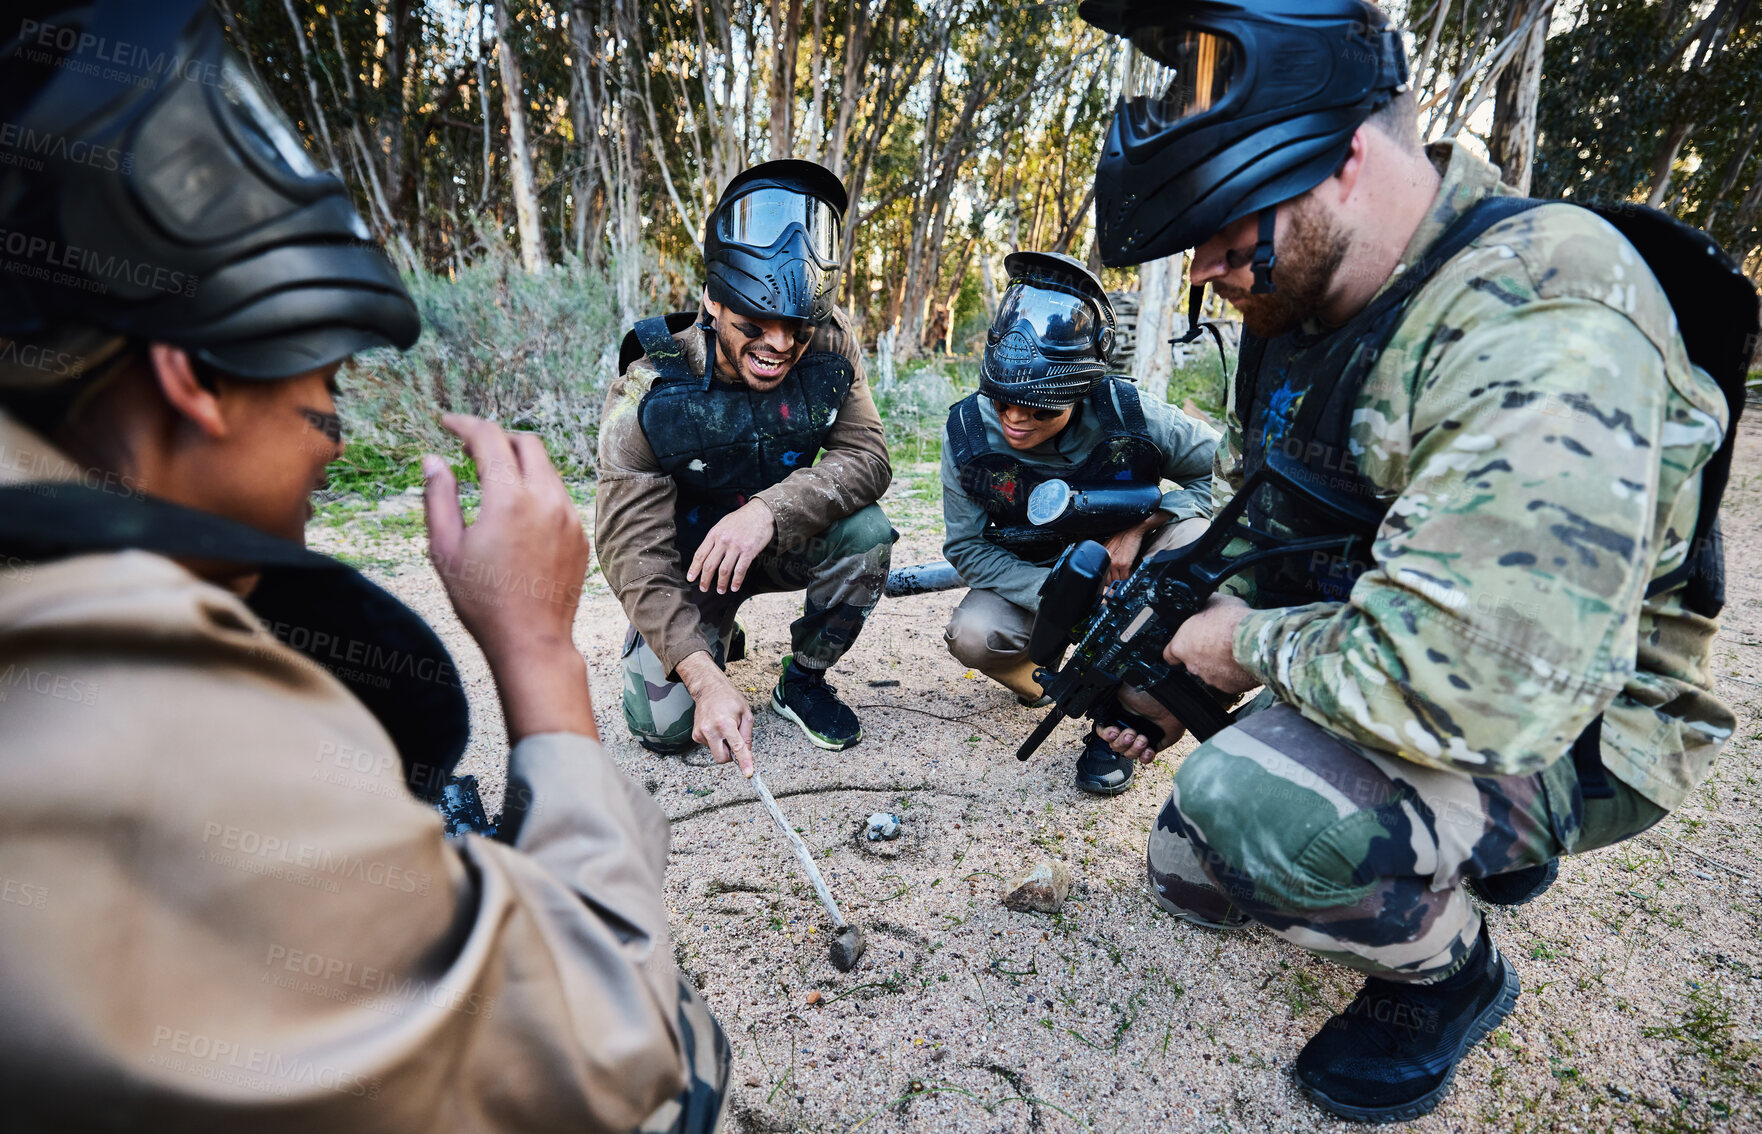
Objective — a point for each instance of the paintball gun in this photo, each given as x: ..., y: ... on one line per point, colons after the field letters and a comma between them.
x: 1120, y: 631
x: 1059, y: 512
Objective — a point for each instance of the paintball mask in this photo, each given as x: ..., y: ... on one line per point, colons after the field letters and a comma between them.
x: 772, y: 246
x: 1231, y: 109
x: 1053, y: 335
x: 160, y: 195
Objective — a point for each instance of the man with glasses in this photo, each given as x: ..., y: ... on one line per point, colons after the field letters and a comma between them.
x: 1047, y: 411
x: 229, y: 902
x: 1512, y: 417
x: 710, y: 491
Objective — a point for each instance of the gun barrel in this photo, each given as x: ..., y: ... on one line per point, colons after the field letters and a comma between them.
x: 1040, y: 733
x: 925, y: 578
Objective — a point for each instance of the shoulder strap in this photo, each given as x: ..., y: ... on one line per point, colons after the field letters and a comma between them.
x: 1128, y: 415
x: 654, y: 338
x: 966, y: 430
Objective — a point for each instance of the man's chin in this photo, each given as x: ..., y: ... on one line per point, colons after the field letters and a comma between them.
x: 762, y: 385
x: 1265, y: 319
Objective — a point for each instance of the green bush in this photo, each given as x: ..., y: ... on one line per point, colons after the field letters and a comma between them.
x: 914, y: 410
x: 529, y: 351
x: 1201, y: 379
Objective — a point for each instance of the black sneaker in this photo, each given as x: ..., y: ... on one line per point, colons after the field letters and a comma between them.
x: 737, y: 644
x: 1039, y: 702
x: 1100, y: 771
x: 1516, y: 887
x: 803, y: 696
x: 1391, y: 1055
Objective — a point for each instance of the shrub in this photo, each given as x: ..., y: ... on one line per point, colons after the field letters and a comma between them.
x: 529, y: 351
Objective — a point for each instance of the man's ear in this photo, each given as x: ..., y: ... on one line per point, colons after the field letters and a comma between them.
x: 176, y: 377
x: 711, y: 307
x: 1353, y: 167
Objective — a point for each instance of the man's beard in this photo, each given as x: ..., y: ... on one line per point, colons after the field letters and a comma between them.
x: 730, y: 346
x: 1312, y: 252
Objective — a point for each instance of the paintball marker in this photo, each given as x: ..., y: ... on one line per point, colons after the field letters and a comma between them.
x: 1059, y: 512
x: 1120, y: 631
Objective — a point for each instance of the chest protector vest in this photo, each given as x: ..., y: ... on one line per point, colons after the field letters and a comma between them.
x: 1298, y: 394
x: 721, y: 444
x: 1001, y: 481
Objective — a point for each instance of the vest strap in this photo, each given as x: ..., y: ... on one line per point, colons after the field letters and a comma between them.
x: 663, y: 350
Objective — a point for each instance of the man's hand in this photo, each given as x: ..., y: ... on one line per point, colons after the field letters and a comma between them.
x: 1205, y: 645
x: 1123, y: 547
x: 515, y: 575
x: 1133, y: 744
x: 731, y: 547
x: 724, y: 720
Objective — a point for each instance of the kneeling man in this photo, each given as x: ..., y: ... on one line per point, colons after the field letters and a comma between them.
x: 709, y: 488
x: 1047, y: 410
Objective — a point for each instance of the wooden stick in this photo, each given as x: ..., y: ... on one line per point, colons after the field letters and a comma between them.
x: 801, y: 851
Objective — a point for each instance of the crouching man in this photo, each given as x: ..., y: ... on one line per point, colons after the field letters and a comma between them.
x: 709, y: 488
x: 1047, y: 411
x: 1492, y: 399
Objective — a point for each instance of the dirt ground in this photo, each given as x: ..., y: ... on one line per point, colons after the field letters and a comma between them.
x: 1642, y: 968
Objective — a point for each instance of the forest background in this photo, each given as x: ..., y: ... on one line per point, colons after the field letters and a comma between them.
x: 540, y: 170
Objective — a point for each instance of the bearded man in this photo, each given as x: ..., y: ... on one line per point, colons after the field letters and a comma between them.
x: 1516, y: 665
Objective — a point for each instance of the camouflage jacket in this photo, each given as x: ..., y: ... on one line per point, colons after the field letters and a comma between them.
x: 1538, y: 433
x: 633, y: 510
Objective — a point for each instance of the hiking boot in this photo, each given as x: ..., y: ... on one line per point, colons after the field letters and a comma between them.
x: 1515, y: 887
x: 803, y: 696
x: 662, y: 748
x: 1100, y: 771
x: 1391, y: 1055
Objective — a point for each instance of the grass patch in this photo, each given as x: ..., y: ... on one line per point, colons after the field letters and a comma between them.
x: 1202, y: 380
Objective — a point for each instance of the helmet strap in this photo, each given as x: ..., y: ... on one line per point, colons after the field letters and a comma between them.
x: 1195, y: 306
x: 1265, y: 257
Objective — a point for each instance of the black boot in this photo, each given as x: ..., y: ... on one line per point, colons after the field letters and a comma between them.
x: 1100, y: 771
x: 803, y: 696
x: 1390, y: 1056
x: 1516, y: 887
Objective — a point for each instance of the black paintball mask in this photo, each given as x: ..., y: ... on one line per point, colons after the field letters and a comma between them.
x: 1053, y: 336
x: 772, y: 245
x: 1231, y: 109
x: 158, y: 194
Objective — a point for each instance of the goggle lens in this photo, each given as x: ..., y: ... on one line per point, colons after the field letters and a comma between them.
x: 1180, y: 72
x: 758, y: 218
x: 1059, y: 319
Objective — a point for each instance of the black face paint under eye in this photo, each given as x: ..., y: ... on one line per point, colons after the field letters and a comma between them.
x: 328, y: 424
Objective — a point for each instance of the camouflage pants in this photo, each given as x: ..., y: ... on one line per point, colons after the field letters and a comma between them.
x: 1360, y: 855
x: 843, y: 570
x: 697, y: 1109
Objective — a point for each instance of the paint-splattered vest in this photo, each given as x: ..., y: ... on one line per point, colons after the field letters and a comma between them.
x: 721, y: 443
x: 1001, y: 482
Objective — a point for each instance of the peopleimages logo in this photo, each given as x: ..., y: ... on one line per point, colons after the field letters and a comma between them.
x: 117, y: 60
x: 40, y: 258
x: 23, y: 146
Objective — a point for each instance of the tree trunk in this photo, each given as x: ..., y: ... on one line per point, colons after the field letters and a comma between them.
x: 1158, y: 285
x: 785, y: 37
x: 526, y: 214
x: 1666, y: 164
x: 1512, y: 143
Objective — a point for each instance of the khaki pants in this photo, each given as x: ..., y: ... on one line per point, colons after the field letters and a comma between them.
x: 989, y: 633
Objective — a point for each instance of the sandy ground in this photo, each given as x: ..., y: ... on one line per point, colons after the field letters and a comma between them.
x: 1642, y: 968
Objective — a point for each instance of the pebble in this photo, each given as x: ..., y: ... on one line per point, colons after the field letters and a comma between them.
x: 1041, y: 886
x: 882, y: 825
